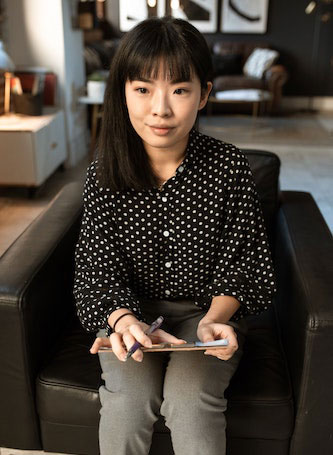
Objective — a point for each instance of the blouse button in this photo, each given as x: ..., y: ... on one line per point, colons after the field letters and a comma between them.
x: 181, y: 168
x: 168, y: 264
x: 166, y: 233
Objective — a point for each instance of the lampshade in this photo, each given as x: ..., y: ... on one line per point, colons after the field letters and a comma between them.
x: 6, y: 63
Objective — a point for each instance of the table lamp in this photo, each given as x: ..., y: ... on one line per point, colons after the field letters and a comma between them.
x: 7, y: 65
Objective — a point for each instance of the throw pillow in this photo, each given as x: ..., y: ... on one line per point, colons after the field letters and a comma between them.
x: 259, y: 61
x: 223, y: 65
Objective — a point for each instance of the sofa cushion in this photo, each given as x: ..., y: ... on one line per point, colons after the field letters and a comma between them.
x: 227, y: 64
x: 259, y: 61
x: 238, y: 81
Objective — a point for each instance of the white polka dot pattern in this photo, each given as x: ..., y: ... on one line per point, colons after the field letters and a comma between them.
x: 201, y: 236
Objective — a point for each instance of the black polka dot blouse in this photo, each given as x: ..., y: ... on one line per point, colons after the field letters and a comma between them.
x: 201, y: 235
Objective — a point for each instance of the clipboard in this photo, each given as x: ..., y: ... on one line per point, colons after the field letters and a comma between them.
x: 191, y: 346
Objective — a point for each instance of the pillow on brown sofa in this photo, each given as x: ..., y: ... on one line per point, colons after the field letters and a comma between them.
x: 259, y: 61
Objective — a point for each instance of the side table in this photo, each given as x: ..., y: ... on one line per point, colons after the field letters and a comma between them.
x: 31, y: 147
x: 257, y: 97
x: 97, y: 112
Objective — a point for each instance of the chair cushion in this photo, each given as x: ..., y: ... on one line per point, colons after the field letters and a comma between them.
x: 259, y: 396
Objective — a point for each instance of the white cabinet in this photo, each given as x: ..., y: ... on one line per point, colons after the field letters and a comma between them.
x: 31, y: 148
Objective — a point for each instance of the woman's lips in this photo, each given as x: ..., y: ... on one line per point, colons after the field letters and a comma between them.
x: 161, y: 130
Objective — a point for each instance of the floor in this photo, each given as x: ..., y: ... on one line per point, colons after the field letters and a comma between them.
x: 303, y: 142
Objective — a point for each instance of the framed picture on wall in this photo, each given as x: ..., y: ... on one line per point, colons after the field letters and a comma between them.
x: 200, y: 13
x: 132, y: 12
x: 244, y: 16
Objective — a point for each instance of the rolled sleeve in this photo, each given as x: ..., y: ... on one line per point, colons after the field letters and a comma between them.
x: 102, y: 273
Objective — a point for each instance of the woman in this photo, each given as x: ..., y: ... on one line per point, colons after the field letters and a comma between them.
x: 172, y: 226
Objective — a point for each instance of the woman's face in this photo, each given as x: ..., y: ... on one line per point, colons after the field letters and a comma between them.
x: 163, y: 112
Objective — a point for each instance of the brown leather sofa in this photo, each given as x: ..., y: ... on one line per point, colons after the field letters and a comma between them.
x: 281, y: 397
x: 236, y: 54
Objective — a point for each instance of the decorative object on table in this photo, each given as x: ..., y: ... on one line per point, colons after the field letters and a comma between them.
x: 8, y: 66
x: 28, y: 93
x: 244, y: 16
x: 96, y: 83
x: 47, y: 82
x: 202, y: 15
x: 259, y: 61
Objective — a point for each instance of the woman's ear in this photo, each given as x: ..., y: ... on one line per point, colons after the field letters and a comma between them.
x: 204, y: 95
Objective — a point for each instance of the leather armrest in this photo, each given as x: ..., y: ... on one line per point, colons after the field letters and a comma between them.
x: 36, y: 278
x: 304, y: 267
x: 276, y: 76
x: 276, y: 72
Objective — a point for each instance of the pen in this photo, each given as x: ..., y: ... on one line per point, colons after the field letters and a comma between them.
x: 154, y: 326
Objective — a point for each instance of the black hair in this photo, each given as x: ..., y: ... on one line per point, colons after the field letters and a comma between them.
x: 122, y: 162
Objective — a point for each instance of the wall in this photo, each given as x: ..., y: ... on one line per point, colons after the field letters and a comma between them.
x: 40, y: 34
x: 292, y: 33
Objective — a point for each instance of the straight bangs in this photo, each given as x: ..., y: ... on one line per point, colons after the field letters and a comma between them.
x: 175, y: 66
x: 162, y: 45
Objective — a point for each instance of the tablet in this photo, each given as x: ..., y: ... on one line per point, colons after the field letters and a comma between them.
x: 190, y: 346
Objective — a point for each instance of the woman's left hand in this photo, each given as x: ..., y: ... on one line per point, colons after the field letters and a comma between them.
x: 210, y: 331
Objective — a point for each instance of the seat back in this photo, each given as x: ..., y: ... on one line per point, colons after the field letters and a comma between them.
x: 266, y: 170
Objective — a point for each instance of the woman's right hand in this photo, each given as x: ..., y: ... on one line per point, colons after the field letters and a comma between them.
x: 127, y: 333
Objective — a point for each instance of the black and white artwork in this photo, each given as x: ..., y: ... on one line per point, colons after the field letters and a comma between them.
x: 132, y: 12
x: 244, y: 16
x: 200, y: 13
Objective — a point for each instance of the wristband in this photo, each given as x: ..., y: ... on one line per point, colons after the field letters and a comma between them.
x: 125, y: 314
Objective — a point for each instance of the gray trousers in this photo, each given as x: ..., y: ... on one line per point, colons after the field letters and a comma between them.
x: 187, y: 388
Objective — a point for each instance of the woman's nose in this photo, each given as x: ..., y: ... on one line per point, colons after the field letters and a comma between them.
x: 160, y: 105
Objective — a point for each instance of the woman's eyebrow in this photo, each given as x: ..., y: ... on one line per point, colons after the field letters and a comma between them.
x: 151, y: 81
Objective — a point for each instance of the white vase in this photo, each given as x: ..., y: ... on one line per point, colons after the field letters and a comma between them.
x: 96, y: 89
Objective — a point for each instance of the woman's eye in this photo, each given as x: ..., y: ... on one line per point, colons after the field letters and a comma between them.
x: 180, y: 91
x: 141, y: 90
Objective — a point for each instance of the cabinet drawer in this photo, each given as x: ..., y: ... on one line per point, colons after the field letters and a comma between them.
x: 17, y: 164
x: 50, y: 147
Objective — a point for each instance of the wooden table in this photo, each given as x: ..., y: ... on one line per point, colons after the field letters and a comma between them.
x: 257, y: 97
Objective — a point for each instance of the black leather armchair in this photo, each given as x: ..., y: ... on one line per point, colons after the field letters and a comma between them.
x: 280, y: 399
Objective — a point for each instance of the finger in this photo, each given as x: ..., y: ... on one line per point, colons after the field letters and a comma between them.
x: 163, y: 336
x: 223, y: 354
x: 137, y: 332
x: 129, y: 340
x: 118, y: 347
x: 206, y: 334
x: 99, y: 343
